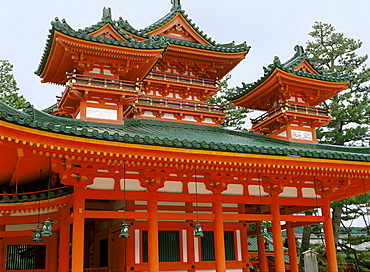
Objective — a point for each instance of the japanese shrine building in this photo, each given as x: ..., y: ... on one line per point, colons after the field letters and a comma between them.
x: 134, y: 171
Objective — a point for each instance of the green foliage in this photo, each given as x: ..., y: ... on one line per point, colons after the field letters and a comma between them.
x: 235, y: 115
x: 8, y: 87
x: 331, y: 52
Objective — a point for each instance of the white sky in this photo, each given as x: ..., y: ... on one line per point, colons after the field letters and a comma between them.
x: 270, y: 27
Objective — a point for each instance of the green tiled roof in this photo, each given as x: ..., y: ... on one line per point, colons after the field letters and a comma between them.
x: 126, y: 31
x: 187, y: 136
x: 288, y: 67
x: 214, y: 46
x: 84, y: 34
x: 35, y: 196
x: 176, y: 8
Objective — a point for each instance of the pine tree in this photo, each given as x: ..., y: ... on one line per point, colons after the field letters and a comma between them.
x: 8, y: 87
x: 235, y: 115
x: 332, y: 52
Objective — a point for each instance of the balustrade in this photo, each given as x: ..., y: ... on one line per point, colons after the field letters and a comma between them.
x: 186, y: 79
x: 101, y: 82
x: 291, y: 108
x: 179, y: 104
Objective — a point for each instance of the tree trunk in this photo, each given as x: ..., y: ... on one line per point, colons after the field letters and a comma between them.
x: 305, y: 245
x: 337, y: 215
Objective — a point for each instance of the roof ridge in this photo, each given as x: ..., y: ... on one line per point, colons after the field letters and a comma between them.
x: 288, y: 67
x: 179, y: 136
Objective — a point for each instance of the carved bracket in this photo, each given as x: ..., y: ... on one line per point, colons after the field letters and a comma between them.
x: 79, y: 175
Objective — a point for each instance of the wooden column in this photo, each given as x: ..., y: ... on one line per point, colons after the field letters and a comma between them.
x: 52, y: 260
x: 262, y: 258
x: 64, y: 238
x: 292, y: 247
x: 277, y: 236
x: 153, y: 252
x: 2, y: 245
x: 244, y: 246
x: 78, y: 230
x: 129, y: 243
x: 219, y: 240
x: 244, y: 239
x: 190, y: 235
x: 329, y: 237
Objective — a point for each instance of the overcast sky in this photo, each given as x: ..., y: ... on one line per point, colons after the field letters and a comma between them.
x: 270, y: 27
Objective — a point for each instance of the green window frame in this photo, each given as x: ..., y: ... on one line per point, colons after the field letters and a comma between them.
x: 208, y: 247
x: 169, y: 245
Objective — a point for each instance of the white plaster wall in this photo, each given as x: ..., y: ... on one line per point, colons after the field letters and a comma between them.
x: 171, y: 187
x: 256, y: 190
x: 309, y: 193
x: 200, y: 187
x: 102, y: 184
x: 234, y: 189
x: 289, y: 192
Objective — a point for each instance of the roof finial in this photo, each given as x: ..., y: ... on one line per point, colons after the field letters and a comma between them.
x: 299, y: 50
x: 176, y: 4
x: 107, y: 15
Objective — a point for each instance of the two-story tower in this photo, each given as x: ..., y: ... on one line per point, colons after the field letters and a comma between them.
x: 114, y: 72
x: 289, y: 93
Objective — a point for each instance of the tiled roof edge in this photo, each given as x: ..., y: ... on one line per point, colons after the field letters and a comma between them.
x: 289, y: 68
x: 35, y: 196
x: 63, y: 27
x: 41, y: 121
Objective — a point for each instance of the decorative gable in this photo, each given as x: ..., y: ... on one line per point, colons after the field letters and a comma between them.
x: 108, y: 32
x: 179, y: 32
x: 179, y: 28
x: 304, y: 66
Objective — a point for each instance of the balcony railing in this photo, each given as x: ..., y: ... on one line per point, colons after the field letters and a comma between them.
x: 291, y: 108
x: 100, y: 82
x: 179, y: 104
x: 186, y: 79
x: 100, y: 269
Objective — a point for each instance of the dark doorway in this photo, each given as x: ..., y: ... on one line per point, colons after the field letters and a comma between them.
x: 104, y: 252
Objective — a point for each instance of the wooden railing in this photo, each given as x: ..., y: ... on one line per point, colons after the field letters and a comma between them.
x: 179, y: 104
x: 186, y: 79
x: 291, y: 108
x: 100, y: 269
x: 100, y: 81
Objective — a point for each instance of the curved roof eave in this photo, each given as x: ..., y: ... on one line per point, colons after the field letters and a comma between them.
x: 288, y: 67
x: 64, y: 28
x: 187, y: 136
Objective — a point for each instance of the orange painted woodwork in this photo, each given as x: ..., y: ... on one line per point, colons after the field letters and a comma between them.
x: 177, y: 166
x: 289, y: 94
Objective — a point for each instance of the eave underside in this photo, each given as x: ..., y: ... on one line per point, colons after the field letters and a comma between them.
x: 343, y: 178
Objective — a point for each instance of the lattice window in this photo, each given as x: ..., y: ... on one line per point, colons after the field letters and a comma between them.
x: 169, y: 246
x: 208, y: 249
x: 25, y: 257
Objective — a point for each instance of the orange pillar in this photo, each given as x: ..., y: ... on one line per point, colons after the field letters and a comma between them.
x: 78, y: 230
x: 52, y: 261
x: 277, y: 236
x: 293, y: 259
x: 64, y: 238
x: 329, y: 237
x: 2, y: 249
x: 262, y: 258
x: 219, y: 240
x: 129, y: 244
x: 190, y: 236
x: 244, y: 246
x: 153, y: 254
x: 244, y: 241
